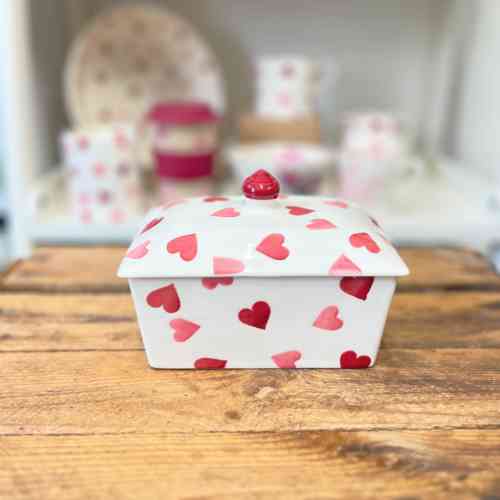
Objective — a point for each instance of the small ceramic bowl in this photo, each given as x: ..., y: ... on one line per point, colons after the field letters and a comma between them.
x: 300, y: 167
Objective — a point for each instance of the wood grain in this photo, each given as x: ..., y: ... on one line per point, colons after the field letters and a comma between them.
x: 281, y: 465
x: 72, y: 322
x: 82, y: 416
x: 115, y: 392
x: 75, y: 269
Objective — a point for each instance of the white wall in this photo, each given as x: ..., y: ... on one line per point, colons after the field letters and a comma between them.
x: 477, y: 140
x: 385, y: 50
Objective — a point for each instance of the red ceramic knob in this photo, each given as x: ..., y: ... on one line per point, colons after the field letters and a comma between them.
x: 261, y: 185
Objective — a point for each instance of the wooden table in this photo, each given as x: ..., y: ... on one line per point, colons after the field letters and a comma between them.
x: 82, y: 416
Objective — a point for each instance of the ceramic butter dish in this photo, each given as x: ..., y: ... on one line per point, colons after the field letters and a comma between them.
x: 261, y: 281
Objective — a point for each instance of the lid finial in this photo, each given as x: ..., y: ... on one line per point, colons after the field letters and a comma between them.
x: 261, y: 185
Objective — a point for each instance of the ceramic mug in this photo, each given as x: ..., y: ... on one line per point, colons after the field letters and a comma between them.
x: 103, y: 178
x: 288, y: 86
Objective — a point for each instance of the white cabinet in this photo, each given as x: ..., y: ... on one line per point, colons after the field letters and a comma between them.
x: 431, y: 60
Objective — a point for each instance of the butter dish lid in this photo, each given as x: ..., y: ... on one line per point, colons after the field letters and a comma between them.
x: 260, y: 234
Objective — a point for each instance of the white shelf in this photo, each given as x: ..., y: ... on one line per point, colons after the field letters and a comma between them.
x: 452, y: 209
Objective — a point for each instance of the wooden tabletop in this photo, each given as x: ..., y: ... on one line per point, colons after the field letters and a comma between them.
x: 83, y: 417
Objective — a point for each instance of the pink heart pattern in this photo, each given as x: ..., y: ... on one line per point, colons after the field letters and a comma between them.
x: 226, y: 212
x: 328, y: 319
x: 292, y: 210
x: 342, y: 266
x: 320, y: 224
x: 226, y: 265
x: 337, y: 203
x: 139, y: 251
x: 286, y: 359
x: 183, y: 329
x: 352, y: 293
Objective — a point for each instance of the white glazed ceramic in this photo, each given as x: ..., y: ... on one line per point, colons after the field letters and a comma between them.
x: 249, y: 283
x: 287, y: 86
x: 300, y: 167
x: 375, y: 149
x: 103, y: 179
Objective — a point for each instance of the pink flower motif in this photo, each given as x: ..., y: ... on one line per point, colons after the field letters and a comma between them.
x: 86, y: 216
x: 117, y: 216
x: 83, y: 142
x: 99, y: 169
x: 84, y: 198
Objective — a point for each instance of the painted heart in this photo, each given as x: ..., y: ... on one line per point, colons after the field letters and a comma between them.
x: 286, y: 359
x: 257, y: 316
x: 349, y: 359
x: 212, y: 199
x: 173, y: 203
x: 360, y: 240
x: 342, y: 266
x: 151, y: 224
x: 337, y: 203
x: 183, y: 329
x: 299, y: 210
x: 318, y: 224
x: 358, y: 287
x: 273, y: 247
x: 210, y: 363
x: 139, y: 251
x: 167, y: 297
x: 225, y: 265
x: 186, y: 246
x: 329, y: 319
x: 226, y: 212
x: 211, y: 283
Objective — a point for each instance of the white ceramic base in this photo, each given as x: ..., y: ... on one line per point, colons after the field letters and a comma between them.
x: 295, y: 305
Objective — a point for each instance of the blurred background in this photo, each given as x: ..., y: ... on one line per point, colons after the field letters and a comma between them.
x: 110, y: 107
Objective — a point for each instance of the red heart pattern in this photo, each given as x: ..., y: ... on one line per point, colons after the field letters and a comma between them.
x: 213, y: 199
x: 320, y: 224
x: 226, y: 212
x: 186, y: 246
x: 151, y: 224
x: 226, y: 265
x: 139, y: 251
x: 257, y: 316
x: 211, y: 283
x: 272, y: 246
x: 328, y: 319
x: 358, y: 287
x: 292, y: 210
x: 349, y: 359
x: 286, y: 359
x: 210, y: 363
x: 165, y: 297
x: 183, y: 329
x: 364, y: 240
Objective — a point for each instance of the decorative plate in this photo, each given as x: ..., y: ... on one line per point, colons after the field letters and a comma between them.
x: 132, y: 57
